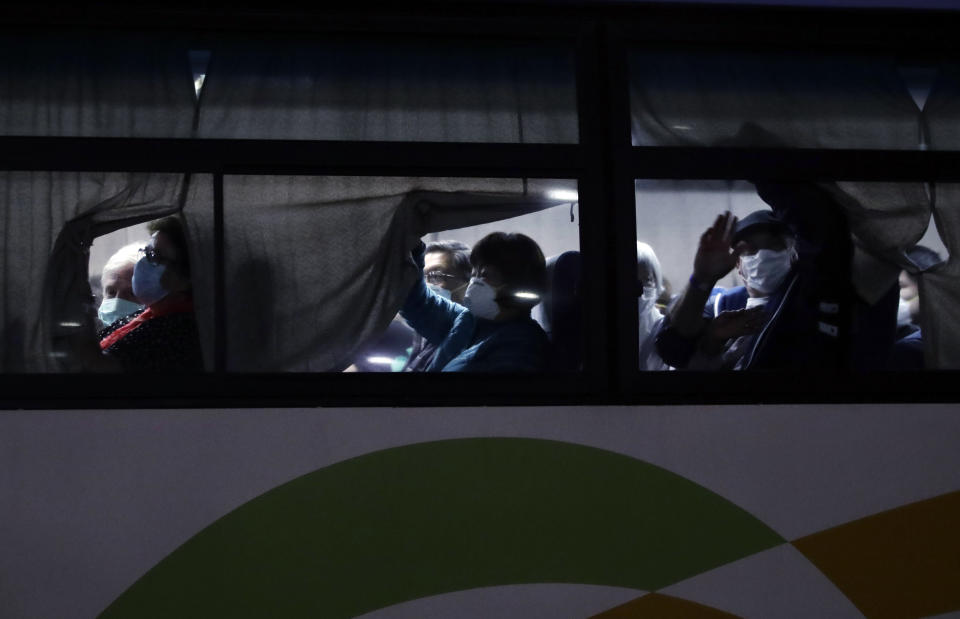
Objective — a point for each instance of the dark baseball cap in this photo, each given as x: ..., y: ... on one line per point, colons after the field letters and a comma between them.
x: 762, y: 219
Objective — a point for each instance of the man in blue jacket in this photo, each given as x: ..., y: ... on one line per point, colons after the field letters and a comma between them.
x: 492, y: 331
x: 794, y: 261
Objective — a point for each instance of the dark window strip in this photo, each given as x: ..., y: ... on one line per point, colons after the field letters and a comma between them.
x: 92, y: 391
x: 794, y: 164
x: 458, y: 159
x: 288, y: 157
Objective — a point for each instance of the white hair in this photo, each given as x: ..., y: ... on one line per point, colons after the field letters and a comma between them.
x: 648, y: 259
x: 123, y: 257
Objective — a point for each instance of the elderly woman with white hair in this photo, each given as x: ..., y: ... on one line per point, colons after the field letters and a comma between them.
x: 116, y: 281
x: 649, y: 289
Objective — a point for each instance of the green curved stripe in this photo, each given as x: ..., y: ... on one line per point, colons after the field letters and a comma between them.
x: 431, y: 518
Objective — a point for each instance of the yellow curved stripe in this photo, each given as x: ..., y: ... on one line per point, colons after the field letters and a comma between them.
x: 659, y: 606
x: 901, y: 563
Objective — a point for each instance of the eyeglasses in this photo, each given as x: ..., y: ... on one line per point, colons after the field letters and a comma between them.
x: 439, y: 277
x: 153, y: 257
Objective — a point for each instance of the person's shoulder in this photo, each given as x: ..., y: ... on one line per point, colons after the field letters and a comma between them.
x: 119, y: 322
x: 914, y: 336
x: 524, y: 329
x: 733, y: 298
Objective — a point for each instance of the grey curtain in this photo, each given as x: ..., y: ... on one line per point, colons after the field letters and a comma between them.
x: 315, y: 266
x: 828, y: 101
x: 95, y: 86
x: 940, y: 286
x: 424, y: 91
x: 318, y: 266
x: 807, y: 101
x: 90, y: 87
x: 49, y: 219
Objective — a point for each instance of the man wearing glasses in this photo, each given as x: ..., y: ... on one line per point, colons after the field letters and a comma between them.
x: 446, y: 269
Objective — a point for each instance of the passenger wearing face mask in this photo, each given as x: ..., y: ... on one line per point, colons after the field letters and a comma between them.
x: 791, y: 310
x: 116, y: 280
x: 649, y: 316
x: 491, y: 331
x: 446, y: 270
x: 163, y: 336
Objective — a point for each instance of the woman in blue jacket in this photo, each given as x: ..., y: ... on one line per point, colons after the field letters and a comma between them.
x: 492, y: 331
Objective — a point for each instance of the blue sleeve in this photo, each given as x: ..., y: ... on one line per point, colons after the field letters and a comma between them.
x: 426, y: 312
x: 708, y: 307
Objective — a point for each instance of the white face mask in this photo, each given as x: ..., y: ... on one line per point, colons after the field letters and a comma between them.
x: 647, y: 312
x: 765, y: 270
x: 116, y: 308
x: 480, y: 299
x: 440, y: 290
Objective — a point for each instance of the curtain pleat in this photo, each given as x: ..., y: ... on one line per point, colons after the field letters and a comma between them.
x: 799, y: 101
x: 316, y: 265
x: 72, y: 86
x: 806, y: 101
x: 433, y: 92
x: 310, y: 281
x: 95, y: 86
x: 940, y: 286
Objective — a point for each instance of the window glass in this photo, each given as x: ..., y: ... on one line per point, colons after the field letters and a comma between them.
x: 412, y: 91
x: 800, y: 275
x: 796, y: 100
x: 142, y: 284
x: 318, y: 267
x: 95, y: 86
x: 50, y: 220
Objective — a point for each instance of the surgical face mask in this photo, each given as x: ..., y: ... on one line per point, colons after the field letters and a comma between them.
x: 646, y: 300
x: 647, y: 312
x: 440, y: 290
x: 480, y: 299
x: 146, y: 281
x: 112, y: 310
x: 765, y: 270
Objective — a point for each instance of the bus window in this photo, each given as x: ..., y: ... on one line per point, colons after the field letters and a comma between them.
x: 318, y: 267
x: 733, y: 275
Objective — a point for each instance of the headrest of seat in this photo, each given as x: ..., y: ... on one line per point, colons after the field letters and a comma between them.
x: 563, y: 276
x: 563, y: 286
x: 562, y: 311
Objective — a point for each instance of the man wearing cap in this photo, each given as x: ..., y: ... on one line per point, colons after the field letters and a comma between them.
x: 788, y: 313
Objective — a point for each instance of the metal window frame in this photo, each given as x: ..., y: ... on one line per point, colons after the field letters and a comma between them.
x: 604, y: 163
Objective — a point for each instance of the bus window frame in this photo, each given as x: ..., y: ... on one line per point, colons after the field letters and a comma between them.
x: 604, y: 163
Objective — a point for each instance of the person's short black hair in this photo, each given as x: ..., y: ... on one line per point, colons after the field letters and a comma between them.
x: 173, y: 229
x: 517, y: 257
x: 459, y: 252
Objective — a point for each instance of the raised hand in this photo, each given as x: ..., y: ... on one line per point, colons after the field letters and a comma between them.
x: 715, y: 258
